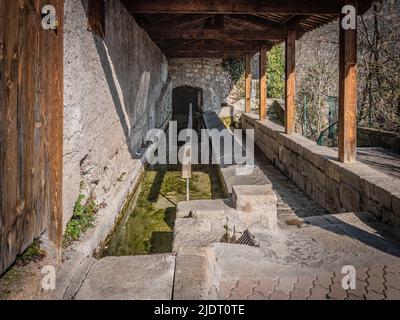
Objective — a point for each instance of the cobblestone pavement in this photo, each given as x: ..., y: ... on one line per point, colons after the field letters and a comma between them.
x: 374, y: 283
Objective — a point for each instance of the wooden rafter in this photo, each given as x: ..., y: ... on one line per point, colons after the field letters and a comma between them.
x: 235, y: 23
x: 210, y: 45
x: 235, y: 6
x: 181, y: 21
x: 216, y: 34
x: 199, y: 54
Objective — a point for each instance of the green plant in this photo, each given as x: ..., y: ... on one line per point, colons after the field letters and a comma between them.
x: 276, y: 72
x: 235, y: 68
x: 227, y: 238
x: 82, y: 218
x: 32, y: 253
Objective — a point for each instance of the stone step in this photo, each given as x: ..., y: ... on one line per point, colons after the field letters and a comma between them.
x: 130, y: 278
x: 72, y: 273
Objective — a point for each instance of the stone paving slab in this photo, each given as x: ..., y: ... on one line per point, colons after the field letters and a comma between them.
x: 72, y: 273
x: 193, y: 276
x: 130, y: 278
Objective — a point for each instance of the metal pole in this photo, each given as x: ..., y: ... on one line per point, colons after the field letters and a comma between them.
x: 187, y: 167
x: 187, y: 189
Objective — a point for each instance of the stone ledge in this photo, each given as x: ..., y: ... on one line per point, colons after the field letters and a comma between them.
x: 336, y: 186
x: 194, y: 275
x: 130, y: 278
x: 249, y: 198
x: 95, y: 237
x: 195, y: 227
x: 233, y: 174
x: 71, y: 274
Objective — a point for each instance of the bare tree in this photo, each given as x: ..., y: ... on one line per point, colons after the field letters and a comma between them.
x: 379, y: 67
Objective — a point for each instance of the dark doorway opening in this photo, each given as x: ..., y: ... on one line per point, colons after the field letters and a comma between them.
x: 182, y: 97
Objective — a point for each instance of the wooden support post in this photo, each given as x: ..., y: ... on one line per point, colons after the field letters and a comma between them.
x: 290, y: 83
x: 248, y: 83
x: 263, y: 83
x: 347, y: 94
x: 53, y: 98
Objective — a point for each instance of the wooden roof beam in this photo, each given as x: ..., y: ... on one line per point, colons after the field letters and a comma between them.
x: 255, y: 20
x: 214, y: 55
x: 241, y: 6
x: 210, y: 46
x: 211, y: 50
x: 217, y: 34
x: 181, y: 20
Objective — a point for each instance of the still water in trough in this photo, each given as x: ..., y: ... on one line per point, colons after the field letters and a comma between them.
x: 146, y: 225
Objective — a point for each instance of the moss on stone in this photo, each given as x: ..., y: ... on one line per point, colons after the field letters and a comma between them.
x: 32, y: 253
x: 227, y: 121
x: 148, y: 228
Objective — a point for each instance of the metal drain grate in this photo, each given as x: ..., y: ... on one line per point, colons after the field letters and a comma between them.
x: 247, y: 239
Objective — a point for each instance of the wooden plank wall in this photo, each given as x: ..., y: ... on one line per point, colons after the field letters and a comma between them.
x: 31, y: 127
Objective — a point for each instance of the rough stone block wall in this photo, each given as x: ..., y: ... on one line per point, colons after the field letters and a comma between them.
x: 207, y: 74
x: 337, y: 187
x: 116, y: 89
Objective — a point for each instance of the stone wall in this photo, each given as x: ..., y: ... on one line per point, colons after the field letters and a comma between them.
x: 116, y: 89
x: 368, y: 137
x: 335, y: 186
x: 207, y: 74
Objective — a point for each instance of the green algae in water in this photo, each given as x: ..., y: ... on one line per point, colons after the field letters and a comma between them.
x: 148, y: 227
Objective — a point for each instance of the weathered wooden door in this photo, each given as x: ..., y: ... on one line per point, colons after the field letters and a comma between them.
x: 31, y: 125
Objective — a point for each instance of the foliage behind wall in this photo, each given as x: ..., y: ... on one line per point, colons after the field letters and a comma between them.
x: 276, y: 72
x: 235, y: 68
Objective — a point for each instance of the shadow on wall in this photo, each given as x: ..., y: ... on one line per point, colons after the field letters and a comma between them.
x: 133, y: 73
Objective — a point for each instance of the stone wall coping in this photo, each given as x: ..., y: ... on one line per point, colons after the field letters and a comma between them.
x: 329, y: 154
x: 233, y: 174
x: 364, y: 179
x: 392, y: 133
